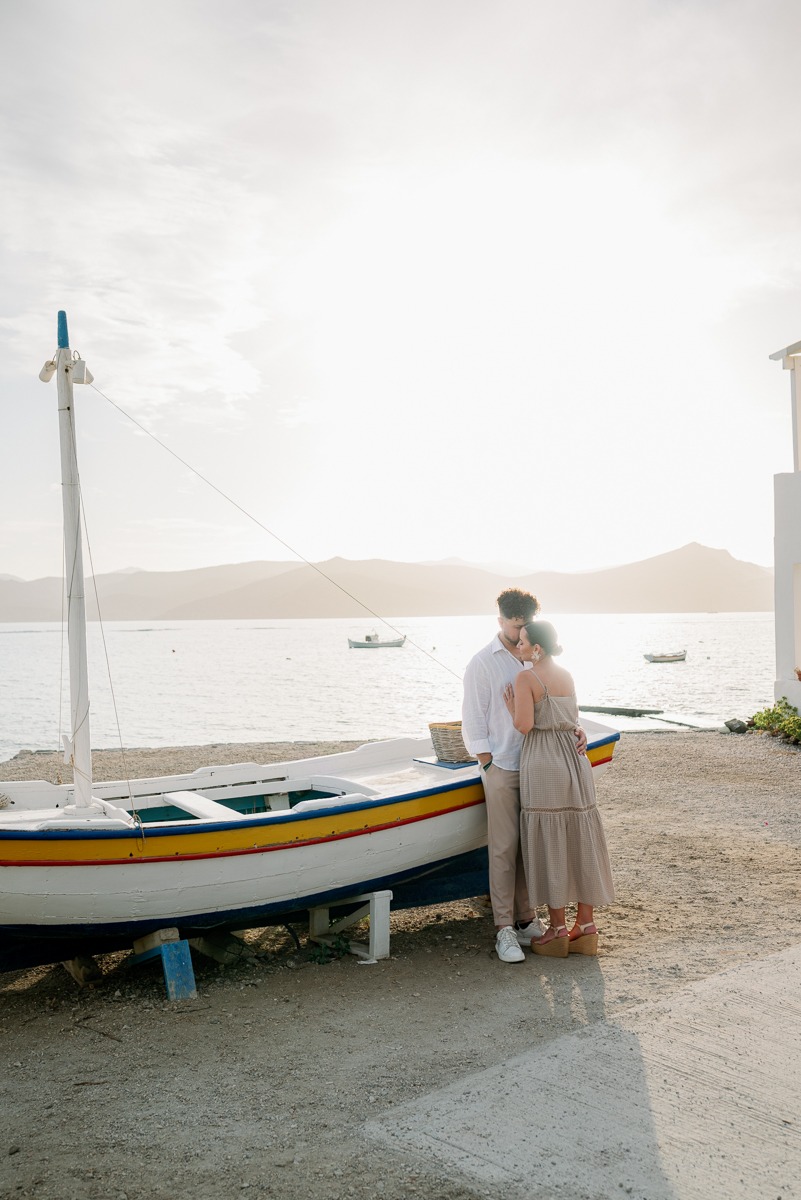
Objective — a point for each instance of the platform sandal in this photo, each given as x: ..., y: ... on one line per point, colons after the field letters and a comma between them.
x: 555, y: 946
x: 587, y: 943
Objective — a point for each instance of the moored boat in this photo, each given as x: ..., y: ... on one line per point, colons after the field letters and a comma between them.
x: 669, y: 657
x: 372, y: 641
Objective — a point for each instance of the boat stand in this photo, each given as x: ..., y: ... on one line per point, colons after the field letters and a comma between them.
x: 176, y: 961
x: 176, y: 956
x: 373, y: 904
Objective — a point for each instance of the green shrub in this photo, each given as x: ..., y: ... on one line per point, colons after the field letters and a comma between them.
x: 780, y: 721
x: 323, y: 953
x: 792, y: 729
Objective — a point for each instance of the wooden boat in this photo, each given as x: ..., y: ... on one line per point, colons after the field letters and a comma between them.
x: 674, y: 656
x: 373, y: 642
x: 92, y: 866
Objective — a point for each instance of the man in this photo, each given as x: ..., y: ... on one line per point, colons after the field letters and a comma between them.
x: 490, y: 735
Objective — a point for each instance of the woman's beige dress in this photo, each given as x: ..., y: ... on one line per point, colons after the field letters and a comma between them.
x: 563, y: 843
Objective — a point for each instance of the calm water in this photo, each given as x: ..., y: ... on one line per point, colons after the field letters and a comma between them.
x: 195, y: 682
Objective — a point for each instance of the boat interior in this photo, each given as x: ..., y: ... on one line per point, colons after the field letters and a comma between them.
x: 224, y: 802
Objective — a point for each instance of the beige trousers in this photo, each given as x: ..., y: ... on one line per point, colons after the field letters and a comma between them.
x: 507, y: 879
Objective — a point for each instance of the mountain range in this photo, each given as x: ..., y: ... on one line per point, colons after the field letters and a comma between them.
x: 693, y: 578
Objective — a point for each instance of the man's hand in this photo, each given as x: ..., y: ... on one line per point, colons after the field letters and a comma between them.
x: 581, y: 740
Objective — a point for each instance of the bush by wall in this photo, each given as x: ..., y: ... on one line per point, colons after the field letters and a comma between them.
x: 780, y: 721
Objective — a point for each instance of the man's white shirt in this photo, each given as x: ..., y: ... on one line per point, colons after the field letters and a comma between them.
x: 487, y: 726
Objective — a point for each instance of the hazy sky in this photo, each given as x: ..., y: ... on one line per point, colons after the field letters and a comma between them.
x: 406, y: 279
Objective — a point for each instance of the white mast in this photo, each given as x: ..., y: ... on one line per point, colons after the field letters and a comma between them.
x: 77, y: 748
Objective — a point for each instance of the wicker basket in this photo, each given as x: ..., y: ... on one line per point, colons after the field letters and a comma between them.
x: 446, y: 737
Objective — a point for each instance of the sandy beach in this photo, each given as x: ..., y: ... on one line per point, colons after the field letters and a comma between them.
x: 264, y: 1086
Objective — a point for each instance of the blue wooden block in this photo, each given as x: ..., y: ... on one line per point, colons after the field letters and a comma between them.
x: 176, y: 959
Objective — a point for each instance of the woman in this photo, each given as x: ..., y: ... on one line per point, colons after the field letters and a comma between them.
x: 563, y: 843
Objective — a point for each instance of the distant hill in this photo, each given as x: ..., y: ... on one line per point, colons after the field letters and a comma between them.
x: 692, y: 579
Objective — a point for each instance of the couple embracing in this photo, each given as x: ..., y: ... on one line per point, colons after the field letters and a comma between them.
x: 545, y: 838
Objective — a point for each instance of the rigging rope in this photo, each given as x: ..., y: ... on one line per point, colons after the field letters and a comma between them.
x: 261, y: 525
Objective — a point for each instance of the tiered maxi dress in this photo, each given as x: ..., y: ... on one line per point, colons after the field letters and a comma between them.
x: 561, y: 835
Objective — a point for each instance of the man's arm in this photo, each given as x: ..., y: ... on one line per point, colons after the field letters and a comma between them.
x: 475, y: 706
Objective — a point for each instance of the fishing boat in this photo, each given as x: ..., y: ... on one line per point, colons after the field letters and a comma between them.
x: 87, y: 867
x: 373, y: 642
x: 669, y: 657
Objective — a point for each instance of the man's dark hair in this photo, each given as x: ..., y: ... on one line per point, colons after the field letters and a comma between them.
x: 514, y: 603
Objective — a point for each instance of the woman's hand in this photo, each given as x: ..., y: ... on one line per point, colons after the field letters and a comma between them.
x: 509, y: 698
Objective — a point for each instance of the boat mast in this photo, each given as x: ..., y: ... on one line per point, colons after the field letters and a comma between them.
x: 77, y: 749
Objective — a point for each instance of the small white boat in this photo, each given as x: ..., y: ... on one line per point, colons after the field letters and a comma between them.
x: 669, y: 657
x: 87, y: 866
x: 373, y: 642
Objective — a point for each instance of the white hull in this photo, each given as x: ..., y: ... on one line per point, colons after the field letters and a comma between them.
x: 376, y: 645
x: 282, y: 880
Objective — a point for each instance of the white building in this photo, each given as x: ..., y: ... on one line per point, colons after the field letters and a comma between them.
x: 787, y: 547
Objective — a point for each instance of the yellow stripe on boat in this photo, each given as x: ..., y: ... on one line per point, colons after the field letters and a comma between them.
x: 601, y: 754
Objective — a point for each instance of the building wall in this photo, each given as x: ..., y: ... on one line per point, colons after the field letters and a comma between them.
x: 787, y: 561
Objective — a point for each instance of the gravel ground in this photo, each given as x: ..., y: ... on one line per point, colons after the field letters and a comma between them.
x: 262, y: 1086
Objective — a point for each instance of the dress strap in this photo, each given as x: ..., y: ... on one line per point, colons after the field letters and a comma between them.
x: 539, y: 681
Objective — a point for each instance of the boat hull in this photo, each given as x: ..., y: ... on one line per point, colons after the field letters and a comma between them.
x: 49, y: 886
x: 387, y: 645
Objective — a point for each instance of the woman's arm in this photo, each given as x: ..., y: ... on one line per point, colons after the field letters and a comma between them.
x: 520, y: 702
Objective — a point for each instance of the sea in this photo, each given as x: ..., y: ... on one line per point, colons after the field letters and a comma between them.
x: 189, y: 683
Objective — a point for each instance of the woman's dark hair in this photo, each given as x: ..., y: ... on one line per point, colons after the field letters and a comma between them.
x: 542, y: 633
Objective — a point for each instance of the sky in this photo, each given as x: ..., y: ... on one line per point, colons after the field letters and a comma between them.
x: 402, y: 279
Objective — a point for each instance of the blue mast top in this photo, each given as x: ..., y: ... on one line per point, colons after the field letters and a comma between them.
x: 63, y: 336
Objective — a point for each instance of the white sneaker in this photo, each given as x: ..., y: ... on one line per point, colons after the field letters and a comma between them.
x: 507, y: 946
x: 524, y: 933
